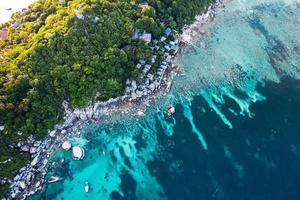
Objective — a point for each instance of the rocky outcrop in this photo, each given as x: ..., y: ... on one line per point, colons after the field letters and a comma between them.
x: 31, y: 177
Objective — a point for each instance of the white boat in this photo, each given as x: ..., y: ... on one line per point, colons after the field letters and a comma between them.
x: 54, y: 179
x: 86, y: 187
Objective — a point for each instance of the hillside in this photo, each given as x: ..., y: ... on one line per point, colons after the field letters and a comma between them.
x: 79, y: 51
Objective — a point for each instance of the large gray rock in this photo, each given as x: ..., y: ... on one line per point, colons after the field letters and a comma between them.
x: 37, y: 184
x: 28, y: 177
x: 17, y: 177
x: 22, y: 185
x: 52, y: 133
x: 151, y: 87
x: 35, y: 161
x: 32, y: 150
x: 25, y: 148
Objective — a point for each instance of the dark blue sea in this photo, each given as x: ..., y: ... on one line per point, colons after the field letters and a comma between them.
x: 235, y: 134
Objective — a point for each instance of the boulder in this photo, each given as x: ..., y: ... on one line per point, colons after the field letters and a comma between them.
x: 19, y: 133
x: 133, y: 84
x: 45, y: 162
x: 52, y: 133
x: 151, y: 87
x: 16, y: 177
x: 32, y: 150
x: 66, y: 145
x: 141, y: 113
x: 20, y: 144
x: 37, y: 184
x: 25, y: 148
x: 15, y: 194
x: 35, y: 161
x: 133, y: 95
x: 139, y: 93
x: 22, y: 185
x: 28, y: 177
x: 22, y: 169
x: 48, y: 144
x: 78, y: 153
x: 171, y: 110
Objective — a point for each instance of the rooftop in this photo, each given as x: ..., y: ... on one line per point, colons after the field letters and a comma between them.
x: 3, y: 34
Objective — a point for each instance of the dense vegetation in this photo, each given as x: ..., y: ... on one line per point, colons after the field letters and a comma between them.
x: 54, y: 56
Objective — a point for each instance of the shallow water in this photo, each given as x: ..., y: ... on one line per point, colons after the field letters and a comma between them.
x: 235, y: 134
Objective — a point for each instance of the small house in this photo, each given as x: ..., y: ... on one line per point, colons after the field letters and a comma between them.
x: 167, y: 47
x: 78, y: 13
x: 138, y: 66
x: 168, y: 32
x: 146, y: 37
x: 144, y: 6
x: 3, y: 34
x: 162, y: 39
x: 16, y: 24
x: 96, y: 19
x: 135, y: 34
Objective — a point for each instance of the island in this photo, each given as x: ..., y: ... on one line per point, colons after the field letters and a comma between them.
x: 74, y: 52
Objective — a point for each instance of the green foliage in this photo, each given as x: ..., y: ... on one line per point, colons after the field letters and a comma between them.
x: 53, y: 56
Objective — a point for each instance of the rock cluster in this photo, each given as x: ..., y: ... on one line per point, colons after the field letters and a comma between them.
x: 31, y: 177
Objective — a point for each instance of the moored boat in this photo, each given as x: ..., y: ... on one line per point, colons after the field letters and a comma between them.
x: 86, y: 187
x: 54, y: 179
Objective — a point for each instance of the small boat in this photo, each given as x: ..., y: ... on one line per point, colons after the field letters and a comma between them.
x: 86, y: 187
x: 54, y: 179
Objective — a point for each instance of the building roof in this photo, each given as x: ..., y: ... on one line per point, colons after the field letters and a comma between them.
x: 16, y: 24
x: 146, y: 37
x: 168, y: 31
x: 3, y: 34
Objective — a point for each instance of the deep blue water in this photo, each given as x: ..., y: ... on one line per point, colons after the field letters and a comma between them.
x: 236, y: 130
x: 258, y: 159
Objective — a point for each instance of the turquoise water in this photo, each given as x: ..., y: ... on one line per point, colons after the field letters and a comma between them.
x: 235, y: 134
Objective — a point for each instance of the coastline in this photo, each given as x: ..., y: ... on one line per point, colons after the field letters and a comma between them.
x: 31, y: 177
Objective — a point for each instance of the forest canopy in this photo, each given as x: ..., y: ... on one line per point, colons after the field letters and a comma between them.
x: 74, y: 50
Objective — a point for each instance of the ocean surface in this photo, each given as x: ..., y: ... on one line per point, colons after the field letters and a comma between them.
x: 236, y: 130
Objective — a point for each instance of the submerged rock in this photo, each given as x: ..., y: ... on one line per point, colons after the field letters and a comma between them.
x: 54, y: 179
x: 66, y: 145
x: 141, y: 113
x: 78, y: 153
x: 171, y: 110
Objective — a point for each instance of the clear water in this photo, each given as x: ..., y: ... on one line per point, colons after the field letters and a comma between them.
x: 236, y: 131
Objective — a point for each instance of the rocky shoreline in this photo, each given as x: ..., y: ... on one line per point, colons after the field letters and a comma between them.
x: 31, y: 178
